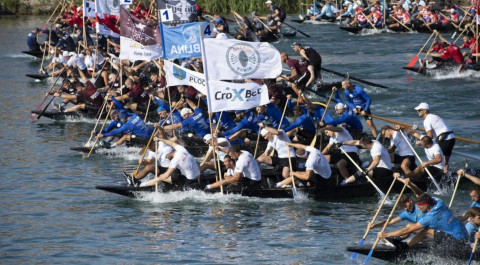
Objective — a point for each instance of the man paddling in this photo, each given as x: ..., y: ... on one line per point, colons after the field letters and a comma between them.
x: 247, y: 173
x: 437, y: 129
x: 405, y: 156
x: 438, y: 222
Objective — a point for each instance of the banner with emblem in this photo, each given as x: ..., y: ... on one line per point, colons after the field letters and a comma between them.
x: 139, y: 40
x: 107, y: 13
x: 226, y: 96
x: 234, y: 59
x: 183, y: 41
x: 178, y: 76
x: 177, y: 11
x: 89, y: 9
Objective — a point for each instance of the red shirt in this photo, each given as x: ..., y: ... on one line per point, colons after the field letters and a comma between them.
x: 136, y: 91
x: 295, y: 64
x: 90, y: 95
x: 453, y: 52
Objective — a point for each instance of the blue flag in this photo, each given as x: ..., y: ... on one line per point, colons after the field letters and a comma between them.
x: 184, y: 41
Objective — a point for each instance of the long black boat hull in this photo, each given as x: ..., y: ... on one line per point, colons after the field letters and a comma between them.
x: 58, y: 115
x: 37, y: 76
x: 38, y: 54
x: 390, y: 253
x: 353, y: 30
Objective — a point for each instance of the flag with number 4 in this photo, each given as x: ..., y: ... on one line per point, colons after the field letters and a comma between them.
x: 184, y: 41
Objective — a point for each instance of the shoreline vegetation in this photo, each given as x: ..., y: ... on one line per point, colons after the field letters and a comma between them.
x: 45, y: 7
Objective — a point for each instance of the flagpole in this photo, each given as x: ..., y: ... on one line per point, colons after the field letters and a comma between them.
x: 209, y: 104
x: 83, y: 31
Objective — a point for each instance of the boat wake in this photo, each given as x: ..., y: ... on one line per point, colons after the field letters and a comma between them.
x: 429, y: 259
x: 128, y: 153
x: 452, y: 74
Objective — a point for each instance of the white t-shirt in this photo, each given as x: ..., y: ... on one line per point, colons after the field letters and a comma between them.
x: 278, y: 143
x: 341, y: 137
x: 185, y: 162
x: 247, y: 165
x: 400, y: 144
x: 317, y: 162
x: 378, y: 149
x: 437, y: 125
x: 432, y: 151
x: 221, y: 154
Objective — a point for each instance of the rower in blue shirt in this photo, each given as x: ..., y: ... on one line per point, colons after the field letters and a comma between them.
x: 226, y: 120
x: 270, y: 114
x: 66, y: 43
x: 474, y: 192
x: 192, y: 120
x: 303, y: 125
x: 249, y: 122
x: 80, y: 38
x: 115, y: 123
x: 358, y: 100
x: 316, y: 111
x: 163, y: 111
x: 437, y: 222
x: 347, y: 116
x: 32, y: 40
x: 133, y: 127
x: 52, y: 34
x: 473, y: 223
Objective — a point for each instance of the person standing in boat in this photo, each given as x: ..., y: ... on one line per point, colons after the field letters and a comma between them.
x: 246, y: 174
x: 314, y: 61
x: 277, y: 140
x: 438, y: 222
x: 405, y: 156
x: 437, y: 129
x: 359, y: 101
x: 339, y: 135
x: 182, y: 172
x: 380, y: 166
x: 32, y: 42
x: 299, y: 73
x: 318, y: 171
x: 278, y: 13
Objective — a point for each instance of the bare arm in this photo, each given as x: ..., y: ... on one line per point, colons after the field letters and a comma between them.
x: 403, y: 231
x: 472, y: 178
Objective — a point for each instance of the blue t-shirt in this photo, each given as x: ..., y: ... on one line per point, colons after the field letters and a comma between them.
x: 197, y: 122
x: 412, y: 216
x: 356, y: 98
x: 226, y: 120
x: 32, y: 42
x: 273, y: 116
x: 134, y: 125
x: 250, y: 122
x: 471, y: 230
x: 303, y: 122
x: 114, y: 124
x: 348, y: 117
x: 440, y: 218
x: 318, y: 113
x: 475, y: 204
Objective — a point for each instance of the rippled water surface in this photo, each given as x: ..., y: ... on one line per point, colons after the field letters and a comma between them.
x: 51, y: 213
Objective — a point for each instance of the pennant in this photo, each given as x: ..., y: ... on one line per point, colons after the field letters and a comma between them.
x: 177, y: 11
x: 184, y: 41
x: 178, y: 76
x: 139, y: 40
x: 88, y: 9
x: 226, y: 96
x: 106, y: 12
x: 234, y: 59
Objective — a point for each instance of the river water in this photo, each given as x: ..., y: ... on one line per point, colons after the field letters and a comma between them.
x: 51, y: 212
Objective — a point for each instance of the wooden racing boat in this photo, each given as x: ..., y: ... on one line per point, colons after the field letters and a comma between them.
x: 38, y: 54
x: 58, y: 115
x: 391, y: 253
x: 37, y: 76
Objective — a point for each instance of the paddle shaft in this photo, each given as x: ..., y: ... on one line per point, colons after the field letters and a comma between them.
x: 425, y: 44
x: 366, y: 175
x: 279, y: 125
x: 454, y: 191
x: 303, y: 33
x: 50, y: 90
x: 148, y: 108
x: 420, y: 160
x: 473, y: 251
x: 321, y: 120
x: 53, y: 13
x: 103, y: 126
x: 386, y: 224
x: 421, y: 129
x: 353, y: 78
x: 368, y: 20
x: 294, y: 189
x: 399, y: 22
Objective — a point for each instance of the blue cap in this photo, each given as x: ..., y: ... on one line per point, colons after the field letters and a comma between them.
x: 123, y: 114
x: 218, y: 20
x: 160, y: 109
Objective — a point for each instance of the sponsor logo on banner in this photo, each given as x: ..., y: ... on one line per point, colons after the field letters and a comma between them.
x: 243, y: 59
x: 237, y: 94
x: 234, y: 96
x: 179, y: 73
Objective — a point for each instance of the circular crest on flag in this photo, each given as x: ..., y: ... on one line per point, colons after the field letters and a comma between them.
x: 190, y: 35
x: 243, y: 59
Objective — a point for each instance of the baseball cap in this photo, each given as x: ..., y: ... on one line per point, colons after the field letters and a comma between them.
x: 296, y: 44
x: 160, y: 109
x: 340, y: 106
x: 268, y: 2
x: 65, y: 53
x: 254, y: 13
x: 207, y: 138
x: 122, y: 114
x: 185, y: 111
x: 37, y: 29
x: 422, y: 105
x: 263, y: 132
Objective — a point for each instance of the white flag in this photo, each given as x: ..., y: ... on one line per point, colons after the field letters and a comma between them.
x: 89, y: 9
x: 107, y: 7
x: 234, y: 96
x: 234, y: 59
x: 135, y: 51
x: 178, y: 76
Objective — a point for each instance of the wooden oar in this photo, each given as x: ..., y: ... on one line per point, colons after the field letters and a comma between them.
x: 55, y: 10
x: 421, y: 129
x: 454, y: 191
x: 386, y: 223
x: 303, y: 33
x: 48, y: 92
x: 323, y: 116
x: 156, y: 165
x: 51, y: 100
x: 364, y: 173
x: 473, y: 251
x: 294, y: 189
x: 368, y: 20
x: 96, y: 124
x: 362, y: 241
x: 353, y: 78
x: 414, y: 60
x: 256, y: 144
x: 148, y: 108
x: 399, y: 22
x: 103, y: 126
x: 259, y: 19
x: 429, y: 51
x: 420, y: 160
